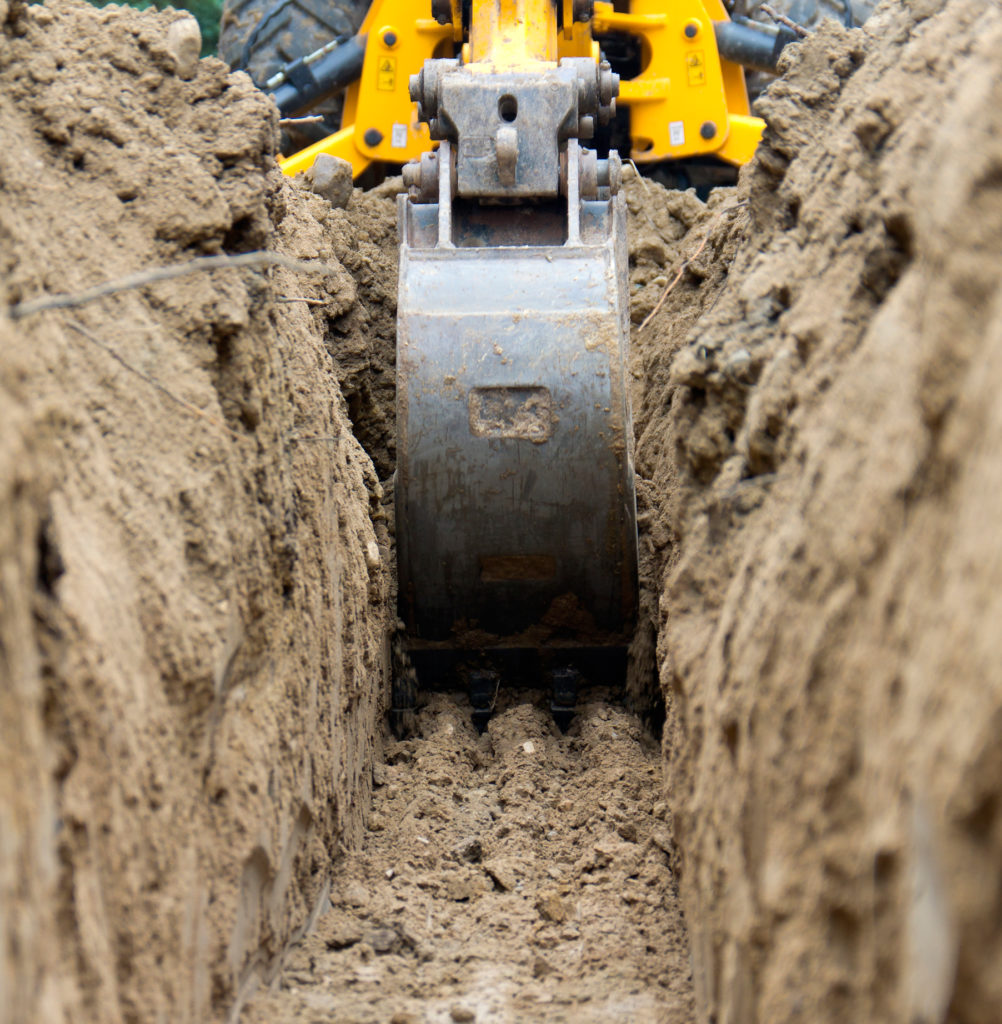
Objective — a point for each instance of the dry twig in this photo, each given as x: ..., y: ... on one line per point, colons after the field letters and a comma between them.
x: 301, y: 298
x: 310, y: 119
x: 639, y: 176
x: 685, y: 263
x: 144, y: 277
x: 782, y: 19
x: 186, y: 405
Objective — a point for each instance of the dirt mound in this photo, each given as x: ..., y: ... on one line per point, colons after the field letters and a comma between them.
x: 521, y: 875
x: 192, y: 554
x: 819, y: 431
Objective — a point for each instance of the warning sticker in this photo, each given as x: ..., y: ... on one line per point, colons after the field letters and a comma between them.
x: 386, y: 74
x: 695, y: 64
x: 676, y: 133
x: 398, y: 136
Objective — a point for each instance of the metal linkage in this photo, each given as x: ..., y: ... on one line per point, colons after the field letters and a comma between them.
x: 597, y: 178
x: 305, y: 82
x: 509, y: 127
x: 510, y: 112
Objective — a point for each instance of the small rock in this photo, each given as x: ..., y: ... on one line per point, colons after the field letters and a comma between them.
x: 382, y: 940
x: 469, y: 849
x: 343, y: 934
x: 4, y: 11
x: 552, y: 908
x: 529, y: 747
x: 627, y: 830
x: 331, y: 177
x: 461, y: 1014
x: 503, y: 875
x: 540, y: 968
x: 355, y: 894
x: 401, y: 1017
x: 372, y: 555
x: 662, y: 840
x: 184, y: 44
x: 379, y: 775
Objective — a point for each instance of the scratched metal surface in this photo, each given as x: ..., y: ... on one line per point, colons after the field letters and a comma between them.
x: 515, y: 500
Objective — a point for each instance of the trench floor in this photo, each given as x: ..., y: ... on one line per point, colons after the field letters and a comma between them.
x: 520, y: 875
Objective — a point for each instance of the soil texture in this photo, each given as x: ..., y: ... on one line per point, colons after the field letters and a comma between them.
x: 201, y: 813
x: 514, y: 876
x: 818, y: 431
x: 192, y: 551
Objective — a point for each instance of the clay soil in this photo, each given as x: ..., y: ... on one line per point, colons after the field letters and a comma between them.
x: 203, y: 816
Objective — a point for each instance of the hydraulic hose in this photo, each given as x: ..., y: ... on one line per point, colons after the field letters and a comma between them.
x: 750, y: 47
x: 306, y: 82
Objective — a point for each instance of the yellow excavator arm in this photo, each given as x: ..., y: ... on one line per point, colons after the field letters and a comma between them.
x: 687, y: 100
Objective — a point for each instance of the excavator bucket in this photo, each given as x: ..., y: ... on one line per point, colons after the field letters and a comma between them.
x: 516, y: 517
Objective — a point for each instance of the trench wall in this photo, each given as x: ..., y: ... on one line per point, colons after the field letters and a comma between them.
x: 192, y: 552
x: 819, y: 447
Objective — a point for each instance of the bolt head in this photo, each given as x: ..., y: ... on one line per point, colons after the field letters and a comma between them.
x: 708, y: 130
x: 372, y: 137
x: 390, y: 38
x: 691, y: 30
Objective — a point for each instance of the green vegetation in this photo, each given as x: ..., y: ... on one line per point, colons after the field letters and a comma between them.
x: 206, y: 12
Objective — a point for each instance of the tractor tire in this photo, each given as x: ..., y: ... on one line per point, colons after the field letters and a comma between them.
x: 262, y: 36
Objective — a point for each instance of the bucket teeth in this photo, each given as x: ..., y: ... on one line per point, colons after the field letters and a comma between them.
x: 484, y: 685
x: 403, y: 687
x: 564, y: 695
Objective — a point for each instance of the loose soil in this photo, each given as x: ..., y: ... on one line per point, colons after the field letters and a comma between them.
x: 192, y: 550
x: 519, y: 875
x: 818, y: 429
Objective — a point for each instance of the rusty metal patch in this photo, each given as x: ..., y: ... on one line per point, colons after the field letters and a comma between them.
x: 525, y: 413
x: 504, y: 568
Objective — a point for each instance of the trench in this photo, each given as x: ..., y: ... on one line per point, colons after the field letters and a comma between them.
x: 517, y: 874
x: 191, y: 606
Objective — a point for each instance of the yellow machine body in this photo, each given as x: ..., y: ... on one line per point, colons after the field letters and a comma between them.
x: 685, y: 102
